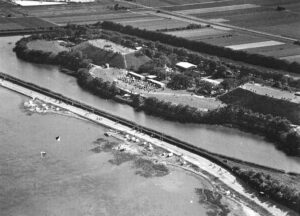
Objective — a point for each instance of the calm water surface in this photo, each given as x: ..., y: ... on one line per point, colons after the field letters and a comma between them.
x: 72, y: 180
x: 222, y: 140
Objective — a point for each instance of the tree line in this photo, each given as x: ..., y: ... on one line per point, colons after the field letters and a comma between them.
x: 207, y: 64
x: 198, y: 46
x: 277, y: 129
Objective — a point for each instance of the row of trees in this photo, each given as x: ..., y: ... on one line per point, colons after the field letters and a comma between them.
x: 276, y: 129
x: 188, y: 27
x: 268, y: 186
x: 96, y: 85
x: 199, y: 46
x: 210, y: 66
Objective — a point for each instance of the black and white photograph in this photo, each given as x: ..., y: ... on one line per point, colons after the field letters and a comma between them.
x: 149, y: 108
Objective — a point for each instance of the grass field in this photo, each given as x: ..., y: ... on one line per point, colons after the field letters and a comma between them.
x: 47, y: 46
x: 107, y: 74
x: 187, y: 99
x: 265, y: 100
x: 272, y: 92
x: 294, y: 58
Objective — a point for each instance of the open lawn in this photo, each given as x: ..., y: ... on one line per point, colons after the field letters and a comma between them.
x: 110, y: 46
x: 272, y: 92
x: 187, y: 99
x: 107, y: 74
x: 46, y: 46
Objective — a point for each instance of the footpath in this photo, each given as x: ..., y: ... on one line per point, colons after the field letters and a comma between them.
x: 213, y: 169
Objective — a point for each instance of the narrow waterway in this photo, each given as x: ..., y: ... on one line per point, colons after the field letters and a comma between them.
x: 222, y: 140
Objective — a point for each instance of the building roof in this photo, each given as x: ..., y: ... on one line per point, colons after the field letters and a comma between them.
x: 151, y: 76
x: 136, y: 75
x: 212, y: 81
x: 157, y: 82
x: 185, y: 65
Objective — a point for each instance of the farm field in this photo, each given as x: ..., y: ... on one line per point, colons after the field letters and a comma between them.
x: 159, y: 24
x: 218, y: 9
x: 232, y: 38
x: 163, y: 3
x: 75, y: 9
x: 196, y: 33
x: 247, y: 46
x: 20, y: 23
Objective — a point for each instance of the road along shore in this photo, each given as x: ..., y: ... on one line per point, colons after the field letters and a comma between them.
x: 213, y: 169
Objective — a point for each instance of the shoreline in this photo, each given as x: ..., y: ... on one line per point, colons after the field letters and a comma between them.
x: 222, y: 174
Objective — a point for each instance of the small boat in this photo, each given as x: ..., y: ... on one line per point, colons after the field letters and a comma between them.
x: 43, y: 154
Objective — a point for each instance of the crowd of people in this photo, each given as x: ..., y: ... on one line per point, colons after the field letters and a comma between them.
x: 138, y: 84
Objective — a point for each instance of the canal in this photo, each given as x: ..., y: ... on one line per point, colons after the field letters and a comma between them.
x: 218, y: 139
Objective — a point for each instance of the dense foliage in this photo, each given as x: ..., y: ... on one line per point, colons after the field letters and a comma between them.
x: 268, y: 186
x: 274, y: 128
x: 200, y: 46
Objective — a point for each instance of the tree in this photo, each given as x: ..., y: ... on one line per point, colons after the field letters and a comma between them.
x: 180, y: 81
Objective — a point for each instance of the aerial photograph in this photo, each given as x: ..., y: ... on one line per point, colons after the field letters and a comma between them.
x: 150, y: 108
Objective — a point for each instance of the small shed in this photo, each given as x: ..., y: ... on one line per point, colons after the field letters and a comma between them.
x: 157, y: 83
x: 184, y: 66
x: 151, y: 76
x: 135, y: 75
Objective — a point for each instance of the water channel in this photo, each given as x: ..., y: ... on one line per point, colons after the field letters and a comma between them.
x: 219, y: 139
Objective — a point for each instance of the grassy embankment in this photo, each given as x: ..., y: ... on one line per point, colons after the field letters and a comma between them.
x: 263, y: 103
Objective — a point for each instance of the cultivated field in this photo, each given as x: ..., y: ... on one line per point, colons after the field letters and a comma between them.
x: 18, y: 23
x: 254, y: 45
x: 158, y: 24
x: 197, y: 33
x: 218, y: 9
x: 260, y: 15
